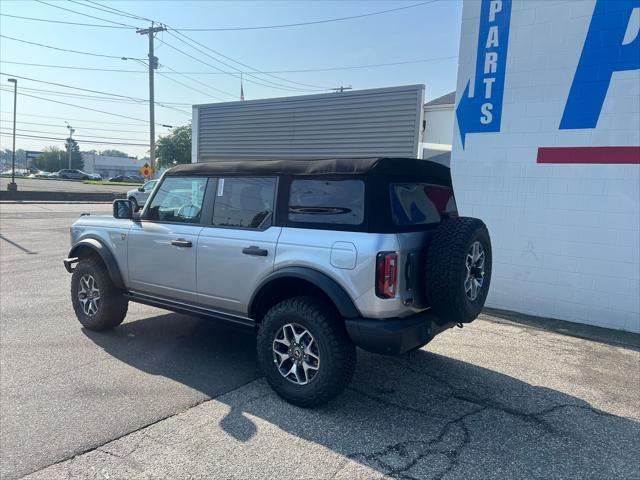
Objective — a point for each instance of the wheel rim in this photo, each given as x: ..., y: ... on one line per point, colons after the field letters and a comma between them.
x: 475, y: 271
x: 296, y: 354
x: 89, y: 295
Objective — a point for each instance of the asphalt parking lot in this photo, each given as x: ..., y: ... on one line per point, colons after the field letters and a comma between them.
x: 55, y: 185
x: 168, y: 396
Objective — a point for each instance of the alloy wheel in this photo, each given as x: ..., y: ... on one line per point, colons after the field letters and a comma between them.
x: 475, y: 271
x: 89, y: 294
x: 296, y: 354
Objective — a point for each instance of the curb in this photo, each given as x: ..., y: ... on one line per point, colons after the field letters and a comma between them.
x: 106, y: 197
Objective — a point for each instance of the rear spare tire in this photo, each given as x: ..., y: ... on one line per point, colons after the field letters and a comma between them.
x: 458, y: 269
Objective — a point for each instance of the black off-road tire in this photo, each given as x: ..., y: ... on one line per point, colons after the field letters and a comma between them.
x: 113, y: 305
x: 446, y: 269
x: 337, y: 352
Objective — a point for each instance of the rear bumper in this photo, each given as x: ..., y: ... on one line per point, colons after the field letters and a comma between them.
x: 394, y: 336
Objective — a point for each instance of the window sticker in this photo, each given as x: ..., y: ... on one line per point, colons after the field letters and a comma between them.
x: 220, y: 187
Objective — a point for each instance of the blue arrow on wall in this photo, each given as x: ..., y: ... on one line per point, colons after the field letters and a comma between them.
x: 481, y: 110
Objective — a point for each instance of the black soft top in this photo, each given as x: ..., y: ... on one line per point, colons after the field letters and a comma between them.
x: 394, y: 167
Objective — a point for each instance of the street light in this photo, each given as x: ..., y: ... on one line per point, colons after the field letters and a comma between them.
x: 71, y: 131
x: 13, y: 186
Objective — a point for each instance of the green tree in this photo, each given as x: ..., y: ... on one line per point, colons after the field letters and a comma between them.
x: 54, y: 158
x: 175, y: 147
x: 76, y: 156
x: 113, y: 153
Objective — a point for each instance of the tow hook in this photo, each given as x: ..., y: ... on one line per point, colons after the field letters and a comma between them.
x: 459, y: 325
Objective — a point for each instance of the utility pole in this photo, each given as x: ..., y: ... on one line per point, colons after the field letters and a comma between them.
x: 71, y: 131
x: 153, y: 64
x: 13, y: 185
x: 341, y: 88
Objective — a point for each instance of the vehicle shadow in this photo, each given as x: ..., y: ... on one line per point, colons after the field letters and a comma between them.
x: 422, y: 415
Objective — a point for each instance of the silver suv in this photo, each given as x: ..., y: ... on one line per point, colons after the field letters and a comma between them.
x: 318, y: 256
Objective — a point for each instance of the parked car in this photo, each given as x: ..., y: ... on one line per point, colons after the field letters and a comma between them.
x: 120, y: 178
x: 317, y: 256
x: 73, y: 174
x: 94, y: 176
x: 54, y: 175
x: 136, y: 178
x: 140, y: 195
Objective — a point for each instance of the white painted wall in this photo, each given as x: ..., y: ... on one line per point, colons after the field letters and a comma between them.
x: 439, y: 126
x: 566, y: 239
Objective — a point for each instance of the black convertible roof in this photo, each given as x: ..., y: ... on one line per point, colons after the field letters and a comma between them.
x: 401, y: 167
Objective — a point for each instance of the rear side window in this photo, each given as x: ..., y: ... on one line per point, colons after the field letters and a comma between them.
x: 420, y: 203
x: 244, y: 202
x: 327, y: 201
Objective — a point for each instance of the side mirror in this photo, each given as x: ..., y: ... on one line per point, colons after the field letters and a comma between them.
x: 140, y: 189
x: 123, y: 209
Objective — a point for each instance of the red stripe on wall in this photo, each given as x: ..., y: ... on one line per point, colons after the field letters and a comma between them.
x: 605, y: 155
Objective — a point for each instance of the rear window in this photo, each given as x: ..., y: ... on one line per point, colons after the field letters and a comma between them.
x: 420, y: 203
x: 327, y: 201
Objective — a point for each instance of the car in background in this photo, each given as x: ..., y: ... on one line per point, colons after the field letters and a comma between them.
x: 94, y: 176
x: 53, y: 175
x: 73, y: 174
x: 39, y: 174
x: 136, y: 178
x: 139, y: 196
x: 120, y: 178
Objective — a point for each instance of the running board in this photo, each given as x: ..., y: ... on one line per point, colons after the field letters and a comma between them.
x: 188, y: 309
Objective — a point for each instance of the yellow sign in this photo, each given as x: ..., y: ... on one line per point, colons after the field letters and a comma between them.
x: 146, y: 170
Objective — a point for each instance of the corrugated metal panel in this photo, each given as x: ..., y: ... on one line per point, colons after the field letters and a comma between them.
x: 361, y: 123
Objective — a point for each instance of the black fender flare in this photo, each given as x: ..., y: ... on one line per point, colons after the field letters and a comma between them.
x: 105, y: 254
x: 329, y: 286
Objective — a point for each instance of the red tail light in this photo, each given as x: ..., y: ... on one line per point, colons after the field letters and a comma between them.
x: 386, y: 274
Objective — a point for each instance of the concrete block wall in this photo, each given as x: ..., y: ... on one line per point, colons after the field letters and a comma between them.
x: 566, y: 237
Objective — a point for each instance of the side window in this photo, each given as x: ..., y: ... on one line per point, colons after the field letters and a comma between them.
x: 178, y: 199
x: 327, y: 201
x: 420, y: 203
x: 244, y: 202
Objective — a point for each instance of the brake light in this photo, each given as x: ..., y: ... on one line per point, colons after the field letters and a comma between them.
x: 386, y: 274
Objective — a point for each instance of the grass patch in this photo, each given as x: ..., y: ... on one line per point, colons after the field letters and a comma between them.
x: 106, y: 182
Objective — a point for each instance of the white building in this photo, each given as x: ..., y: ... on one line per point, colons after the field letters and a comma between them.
x: 439, y: 117
x: 108, y: 166
x: 546, y: 150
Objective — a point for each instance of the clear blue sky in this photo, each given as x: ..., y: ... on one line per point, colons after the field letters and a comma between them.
x: 429, y: 31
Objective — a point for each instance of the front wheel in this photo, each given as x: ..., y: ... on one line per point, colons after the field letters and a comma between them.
x: 304, y: 351
x: 98, y: 304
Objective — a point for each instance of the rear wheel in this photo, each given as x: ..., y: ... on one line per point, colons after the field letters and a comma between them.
x: 304, y: 351
x: 98, y: 304
x: 459, y: 269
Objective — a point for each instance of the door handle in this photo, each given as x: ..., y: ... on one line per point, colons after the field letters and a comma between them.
x: 180, y: 242
x: 253, y: 250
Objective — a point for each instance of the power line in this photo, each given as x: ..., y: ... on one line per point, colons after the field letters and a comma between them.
x: 208, y: 95
x: 140, y: 102
x: 72, y: 119
x: 83, y: 108
x: 304, y: 70
x: 248, y: 66
x: 83, y: 128
x: 198, y: 82
x: 136, y: 99
x: 121, y: 12
x: 301, y: 24
x: 46, y: 20
x: 76, y: 138
x: 63, y: 49
x: 64, y: 140
x: 85, y: 14
x: 220, y: 70
x: 220, y: 54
